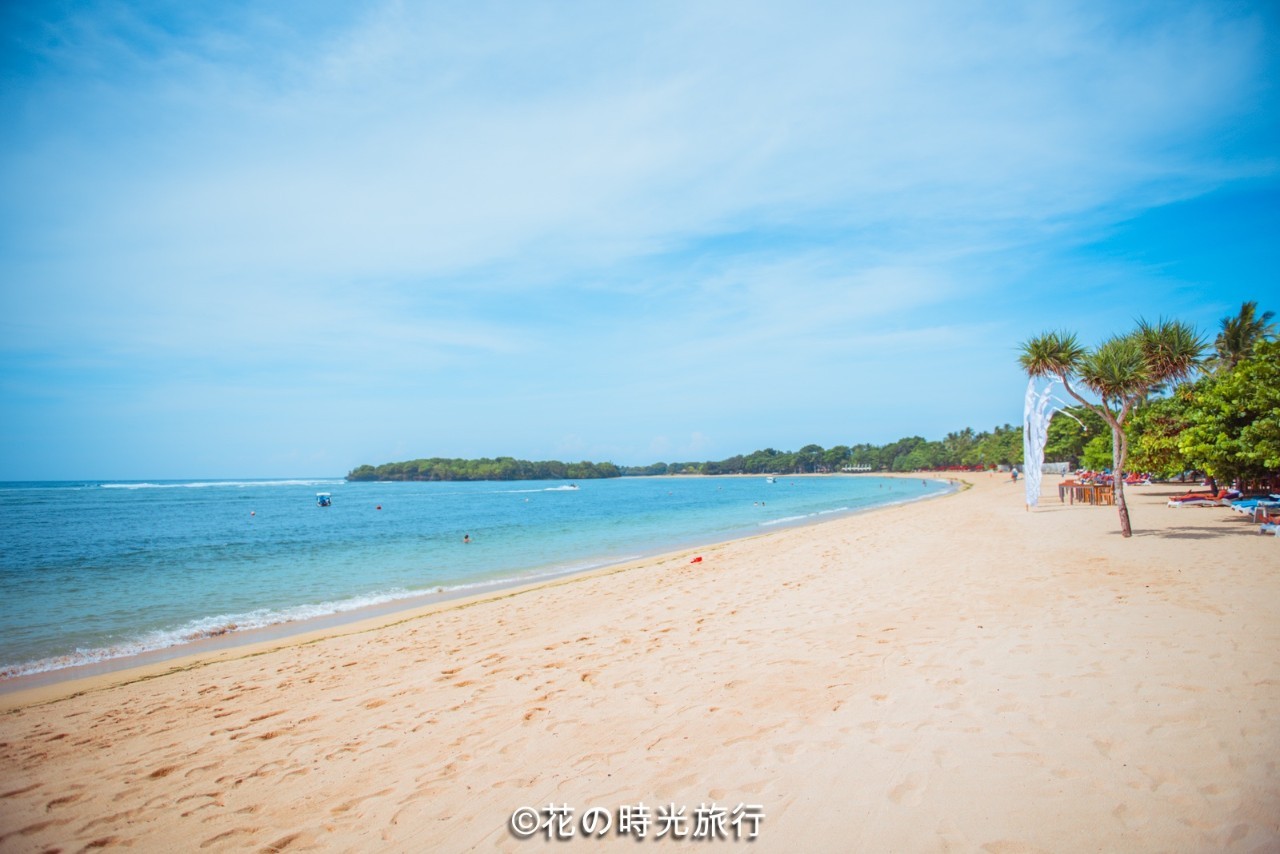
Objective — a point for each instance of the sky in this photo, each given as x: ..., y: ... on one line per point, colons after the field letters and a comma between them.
x: 248, y: 239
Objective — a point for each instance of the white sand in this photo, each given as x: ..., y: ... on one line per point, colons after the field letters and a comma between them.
x: 956, y: 675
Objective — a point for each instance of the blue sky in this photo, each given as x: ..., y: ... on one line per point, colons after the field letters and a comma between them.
x: 278, y: 239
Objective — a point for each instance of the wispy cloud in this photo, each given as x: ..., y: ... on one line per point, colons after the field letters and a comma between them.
x: 603, y: 195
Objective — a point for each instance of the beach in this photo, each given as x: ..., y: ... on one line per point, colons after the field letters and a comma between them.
x: 954, y: 675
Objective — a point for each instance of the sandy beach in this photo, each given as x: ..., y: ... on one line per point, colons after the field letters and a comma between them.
x: 957, y: 675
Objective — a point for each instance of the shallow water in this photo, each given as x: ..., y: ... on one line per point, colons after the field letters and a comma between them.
x: 102, y: 570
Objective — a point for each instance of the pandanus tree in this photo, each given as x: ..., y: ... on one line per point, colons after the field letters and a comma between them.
x: 1121, y: 371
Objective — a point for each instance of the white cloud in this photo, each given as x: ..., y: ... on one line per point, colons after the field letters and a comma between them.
x: 603, y: 197
x: 430, y: 143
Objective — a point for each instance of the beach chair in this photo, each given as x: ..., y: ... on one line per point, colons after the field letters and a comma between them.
x: 1252, y: 506
x: 1255, y: 508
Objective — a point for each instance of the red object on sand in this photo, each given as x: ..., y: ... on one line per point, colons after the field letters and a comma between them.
x: 697, y: 559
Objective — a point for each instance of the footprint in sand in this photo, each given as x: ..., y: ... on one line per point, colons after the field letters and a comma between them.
x: 908, y: 791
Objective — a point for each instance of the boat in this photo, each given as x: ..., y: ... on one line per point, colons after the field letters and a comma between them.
x: 770, y: 479
x: 324, y: 499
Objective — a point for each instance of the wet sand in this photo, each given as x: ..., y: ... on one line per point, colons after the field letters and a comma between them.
x: 955, y: 675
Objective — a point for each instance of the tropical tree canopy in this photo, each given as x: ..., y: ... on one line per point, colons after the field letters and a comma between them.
x: 1072, y: 430
x: 1121, y: 371
x: 1155, y: 433
x: 1233, y: 419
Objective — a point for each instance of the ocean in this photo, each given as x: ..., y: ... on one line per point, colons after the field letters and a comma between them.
x: 96, y: 572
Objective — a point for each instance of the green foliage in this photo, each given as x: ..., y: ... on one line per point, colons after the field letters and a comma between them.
x: 1002, y: 446
x: 965, y: 448
x: 1155, y: 431
x: 1053, y: 354
x: 1116, y: 370
x: 502, y: 468
x: 1097, y: 453
x: 1122, y: 372
x: 864, y: 455
x: 897, y: 455
x: 958, y: 445
x: 1227, y: 424
x: 834, y: 459
x: 1234, y: 430
x: 651, y: 470
x: 1070, y: 430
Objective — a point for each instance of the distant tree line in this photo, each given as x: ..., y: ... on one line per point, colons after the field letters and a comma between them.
x: 965, y: 449
x: 502, y: 468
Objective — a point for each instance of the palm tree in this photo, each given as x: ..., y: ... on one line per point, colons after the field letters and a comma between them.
x: 1121, y: 371
x: 1241, y: 332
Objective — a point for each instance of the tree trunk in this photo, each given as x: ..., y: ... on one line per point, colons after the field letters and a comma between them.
x: 1120, y: 450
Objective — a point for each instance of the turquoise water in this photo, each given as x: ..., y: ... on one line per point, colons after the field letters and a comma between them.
x: 97, y: 571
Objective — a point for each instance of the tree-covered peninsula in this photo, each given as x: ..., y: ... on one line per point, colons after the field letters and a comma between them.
x: 502, y: 468
x: 964, y: 449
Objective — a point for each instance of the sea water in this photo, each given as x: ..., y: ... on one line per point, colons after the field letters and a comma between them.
x: 96, y: 571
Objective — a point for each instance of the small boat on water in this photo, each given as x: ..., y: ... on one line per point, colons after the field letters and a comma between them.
x: 770, y: 479
x: 324, y: 499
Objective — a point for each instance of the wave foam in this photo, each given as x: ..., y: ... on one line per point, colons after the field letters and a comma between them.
x: 227, y: 624
x: 542, y: 489
x: 785, y: 520
x: 203, y: 629
x: 204, y: 484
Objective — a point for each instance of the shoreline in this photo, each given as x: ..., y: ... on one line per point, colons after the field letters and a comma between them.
x: 956, y: 675
x: 337, y: 621
x: 47, y: 685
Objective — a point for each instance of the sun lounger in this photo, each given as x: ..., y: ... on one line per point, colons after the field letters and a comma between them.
x: 1245, y: 505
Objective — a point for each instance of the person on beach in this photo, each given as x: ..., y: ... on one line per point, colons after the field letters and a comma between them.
x: 1014, y: 475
